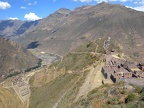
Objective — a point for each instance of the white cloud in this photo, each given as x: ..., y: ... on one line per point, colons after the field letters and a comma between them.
x: 140, y: 8
x: 23, y: 7
x: 112, y: 0
x: 99, y: 1
x: 139, y: 2
x: 31, y: 16
x: 15, y: 18
x: 120, y: 0
x: 82, y: 0
x: 4, y: 5
x: 32, y: 3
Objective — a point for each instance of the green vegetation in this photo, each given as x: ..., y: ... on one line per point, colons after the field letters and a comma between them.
x: 111, y: 96
x: 27, y: 70
x: 88, y: 47
x: 76, y: 61
x: 114, y: 45
x: 138, y: 89
x: 84, y: 55
x: 14, y: 74
x: 100, y: 43
x: 93, y: 46
x: 131, y: 97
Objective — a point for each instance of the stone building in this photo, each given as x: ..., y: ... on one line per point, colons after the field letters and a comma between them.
x: 118, y: 69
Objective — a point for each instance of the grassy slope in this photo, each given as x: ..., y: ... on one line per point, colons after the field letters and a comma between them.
x: 70, y: 95
x: 47, y: 95
x: 99, y: 98
x: 8, y: 99
x: 77, y: 62
x: 64, y: 87
x: 81, y: 57
x: 96, y: 45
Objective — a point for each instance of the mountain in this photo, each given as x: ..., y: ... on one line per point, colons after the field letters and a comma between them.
x: 14, y: 58
x: 60, y: 33
x: 12, y: 28
x: 87, y: 37
x: 8, y: 27
x: 44, y: 28
x: 65, y: 30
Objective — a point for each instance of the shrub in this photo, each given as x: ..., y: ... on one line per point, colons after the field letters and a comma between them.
x: 84, y: 102
x: 88, y: 45
x: 130, y: 97
x: 113, y: 101
x: 138, y: 89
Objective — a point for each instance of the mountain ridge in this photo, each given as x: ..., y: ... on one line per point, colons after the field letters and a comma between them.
x: 92, y: 18
x: 61, y: 33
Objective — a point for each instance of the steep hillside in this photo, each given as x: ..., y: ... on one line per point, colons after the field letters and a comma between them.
x: 8, y: 27
x: 87, y: 23
x: 14, y: 28
x: 75, y: 81
x: 116, y: 95
x: 14, y: 59
x: 63, y: 82
x: 44, y: 28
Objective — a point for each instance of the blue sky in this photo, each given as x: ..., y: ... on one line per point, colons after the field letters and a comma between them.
x: 37, y: 9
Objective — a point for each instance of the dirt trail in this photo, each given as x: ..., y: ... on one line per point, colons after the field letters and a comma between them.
x: 85, y: 53
x: 98, y: 77
x: 18, y: 94
x: 93, y: 80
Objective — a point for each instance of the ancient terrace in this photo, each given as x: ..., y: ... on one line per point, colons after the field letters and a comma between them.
x: 118, y: 69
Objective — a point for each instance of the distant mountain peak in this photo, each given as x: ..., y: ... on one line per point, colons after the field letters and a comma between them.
x: 103, y: 3
x: 63, y: 11
x: 108, y: 4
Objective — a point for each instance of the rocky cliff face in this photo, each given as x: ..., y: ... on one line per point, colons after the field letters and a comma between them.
x: 14, y: 59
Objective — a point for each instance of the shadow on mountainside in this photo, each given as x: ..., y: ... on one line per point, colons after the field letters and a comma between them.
x: 33, y: 45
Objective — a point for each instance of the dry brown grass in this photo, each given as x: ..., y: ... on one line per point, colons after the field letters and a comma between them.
x: 8, y: 99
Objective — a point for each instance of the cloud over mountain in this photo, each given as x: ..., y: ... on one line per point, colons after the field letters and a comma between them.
x: 31, y: 16
x: 83, y: 0
x: 15, y: 18
x: 106, y: 1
